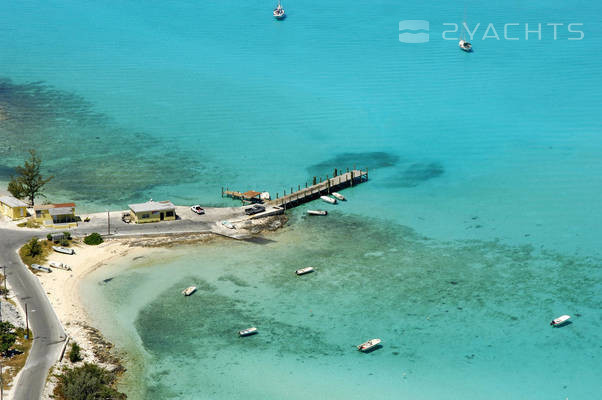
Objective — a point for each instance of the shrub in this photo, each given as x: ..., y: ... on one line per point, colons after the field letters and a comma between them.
x: 64, y: 242
x: 7, y: 336
x: 93, y: 239
x: 75, y: 353
x: 67, y: 235
x: 33, y: 248
x: 87, y: 382
x: 49, y: 236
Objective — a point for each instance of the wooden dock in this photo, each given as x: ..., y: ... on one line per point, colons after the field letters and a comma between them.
x: 313, y: 192
x: 339, y: 181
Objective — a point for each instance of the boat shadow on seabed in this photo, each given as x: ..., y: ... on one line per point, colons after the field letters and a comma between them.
x: 378, y: 346
x: 562, y: 325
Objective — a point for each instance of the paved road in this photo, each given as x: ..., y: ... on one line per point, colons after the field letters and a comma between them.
x: 48, y: 333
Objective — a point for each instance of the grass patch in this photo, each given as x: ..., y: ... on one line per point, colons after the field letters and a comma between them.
x: 12, y: 365
x: 41, y: 258
x: 30, y: 223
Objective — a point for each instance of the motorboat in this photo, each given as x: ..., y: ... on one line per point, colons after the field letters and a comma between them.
x: 317, y: 212
x: 279, y: 11
x: 338, y: 196
x: 189, y: 290
x: 228, y: 224
x: 59, y: 265
x: 64, y: 250
x: 560, y: 320
x: 369, y: 345
x: 197, y: 209
x: 328, y: 199
x: 39, y: 267
x: 265, y: 196
x: 303, y: 271
x: 247, y: 332
x: 464, y: 45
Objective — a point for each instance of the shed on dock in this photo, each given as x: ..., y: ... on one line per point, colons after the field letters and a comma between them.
x: 153, y: 211
x: 251, y: 196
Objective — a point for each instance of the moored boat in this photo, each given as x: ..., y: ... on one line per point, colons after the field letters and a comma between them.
x: 39, y: 267
x: 464, y: 45
x: 560, y: 320
x: 303, y: 271
x: 370, y: 344
x: 59, y: 265
x: 317, y: 212
x: 64, y: 250
x: 279, y: 11
x: 189, y: 290
x: 328, y: 199
x: 228, y: 224
x: 247, y: 332
x: 339, y: 196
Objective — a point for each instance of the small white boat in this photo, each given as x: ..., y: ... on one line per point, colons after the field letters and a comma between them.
x: 64, y: 250
x: 317, y: 212
x: 189, y: 290
x: 370, y: 344
x: 328, y: 199
x: 228, y: 224
x: 279, y: 11
x: 560, y: 320
x: 39, y: 267
x: 339, y: 196
x: 464, y: 45
x: 59, y: 265
x: 247, y: 332
x: 303, y: 271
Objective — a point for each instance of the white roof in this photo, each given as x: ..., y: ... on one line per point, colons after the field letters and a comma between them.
x: 61, y: 211
x: 152, y: 206
x: 12, y: 202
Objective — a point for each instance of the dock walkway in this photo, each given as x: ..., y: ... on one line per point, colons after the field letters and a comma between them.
x: 329, y: 185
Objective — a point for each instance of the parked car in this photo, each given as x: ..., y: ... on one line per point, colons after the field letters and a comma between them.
x: 254, y: 209
x: 197, y: 209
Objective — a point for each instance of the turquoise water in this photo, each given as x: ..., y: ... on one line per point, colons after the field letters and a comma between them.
x: 481, y: 153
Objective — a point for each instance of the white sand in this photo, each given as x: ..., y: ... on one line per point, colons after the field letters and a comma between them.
x: 62, y: 289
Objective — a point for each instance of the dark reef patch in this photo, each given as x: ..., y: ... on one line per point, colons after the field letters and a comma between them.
x: 90, y: 155
x: 417, y: 173
x: 370, y: 160
x: 6, y: 172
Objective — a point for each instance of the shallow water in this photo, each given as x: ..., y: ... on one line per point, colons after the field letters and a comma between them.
x: 459, y: 319
x: 485, y: 170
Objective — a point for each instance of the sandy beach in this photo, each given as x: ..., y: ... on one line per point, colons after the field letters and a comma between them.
x: 62, y: 289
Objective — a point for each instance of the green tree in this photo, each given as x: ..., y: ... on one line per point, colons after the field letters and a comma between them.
x: 93, y: 239
x: 7, y: 337
x: 29, y: 181
x: 33, y: 247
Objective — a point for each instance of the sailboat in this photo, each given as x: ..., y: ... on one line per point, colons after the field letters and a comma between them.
x: 279, y: 11
x: 464, y: 45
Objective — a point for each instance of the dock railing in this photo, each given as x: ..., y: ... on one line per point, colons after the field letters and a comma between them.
x: 311, y: 192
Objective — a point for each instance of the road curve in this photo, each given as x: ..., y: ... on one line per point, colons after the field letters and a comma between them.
x: 48, y: 333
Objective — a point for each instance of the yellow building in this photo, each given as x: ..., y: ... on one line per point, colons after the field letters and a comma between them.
x: 13, y: 208
x: 153, y: 211
x: 56, y: 215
